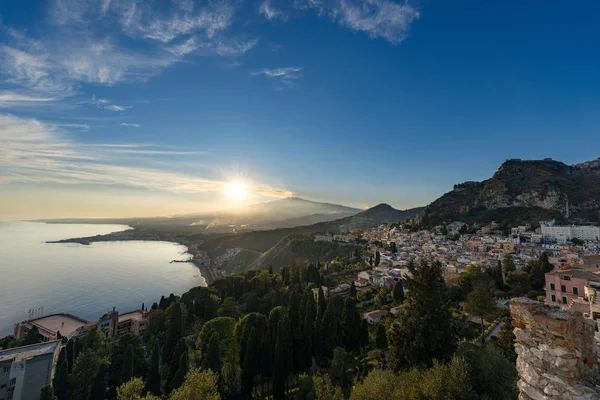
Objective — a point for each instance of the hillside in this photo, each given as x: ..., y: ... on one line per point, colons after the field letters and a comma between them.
x: 524, y: 191
x: 299, y: 247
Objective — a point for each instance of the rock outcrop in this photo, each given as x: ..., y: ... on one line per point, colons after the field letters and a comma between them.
x: 556, y: 350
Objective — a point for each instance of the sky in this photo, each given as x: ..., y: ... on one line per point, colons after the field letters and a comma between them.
x: 116, y: 108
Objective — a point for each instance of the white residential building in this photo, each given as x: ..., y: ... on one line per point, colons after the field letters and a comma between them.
x: 561, y: 234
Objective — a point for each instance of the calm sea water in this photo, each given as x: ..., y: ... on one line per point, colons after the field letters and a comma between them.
x: 84, y: 280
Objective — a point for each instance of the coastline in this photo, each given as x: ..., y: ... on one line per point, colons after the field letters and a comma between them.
x: 133, y: 235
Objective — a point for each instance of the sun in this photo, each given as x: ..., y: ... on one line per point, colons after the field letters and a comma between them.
x: 236, y: 190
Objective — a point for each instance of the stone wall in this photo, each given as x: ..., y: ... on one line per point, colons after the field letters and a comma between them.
x: 556, y: 351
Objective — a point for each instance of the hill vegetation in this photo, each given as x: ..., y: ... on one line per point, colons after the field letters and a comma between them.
x: 523, y: 191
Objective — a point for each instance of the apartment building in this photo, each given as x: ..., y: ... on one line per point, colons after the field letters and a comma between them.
x: 50, y: 326
x: 24, y: 371
x: 567, y: 286
x: 561, y: 234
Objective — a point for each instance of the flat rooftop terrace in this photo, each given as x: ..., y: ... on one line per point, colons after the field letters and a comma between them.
x: 27, y: 352
x: 65, y: 323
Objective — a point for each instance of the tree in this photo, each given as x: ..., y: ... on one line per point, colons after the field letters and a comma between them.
x: 174, y: 334
x: 339, y: 370
x: 353, y: 290
x: 182, y: 371
x: 506, y: 341
x: 213, y: 357
x: 480, y: 302
x: 61, y: 377
x: 85, y: 370
x: 99, y: 387
x: 398, y: 292
x: 423, y: 332
x: 153, y: 378
x: 508, y: 265
x: 180, y: 348
x: 324, y: 389
x: 381, y: 339
x: 198, y: 385
x: 251, y: 362
x: 309, y: 320
x: 282, y: 363
x: 364, y: 333
x: 127, y: 370
x: 32, y: 336
x: 47, y: 393
x: 333, y: 335
x: 499, y: 276
x: 377, y: 258
x: 351, y: 325
x: 132, y: 390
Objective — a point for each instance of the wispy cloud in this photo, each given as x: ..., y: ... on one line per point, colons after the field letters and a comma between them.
x: 131, y: 125
x: 286, y: 76
x: 270, y: 12
x: 107, y: 104
x: 12, y: 99
x: 36, y: 152
x: 385, y: 19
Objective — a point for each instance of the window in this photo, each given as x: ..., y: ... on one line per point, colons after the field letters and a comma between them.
x: 575, y: 290
x: 553, y: 298
x: 563, y: 288
x: 12, y: 382
x: 566, y: 278
x: 3, y: 386
x: 564, y: 300
x: 6, y: 369
x: 552, y: 286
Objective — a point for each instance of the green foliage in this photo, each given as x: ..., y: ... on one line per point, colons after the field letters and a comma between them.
x: 61, y: 380
x: 99, y: 387
x: 398, y: 292
x: 381, y: 339
x: 181, y: 372
x: 283, y: 362
x: 181, y: 348
x: 508, y: 265
x: 153, y: 379
x: 364, y: 333
x: 351, y: 325
x: 8, y: 342
x: 441, y: 381
x: 127, y: 371
x: 32, y: 336
x: 132, y: 390
x: 251, y: 364
x: 175, y: 332
x: 333, y: 335
x: 324, y: 389
x: 491, y: 375
x: 423, y: 332
x: 198, y: 385
x: 338, y: 371
x: 212, y: 360
x: 480, y: 302
x: 377, y: 258
x: 85, y: 369
x: 505, y: 341
x: 47, y: 393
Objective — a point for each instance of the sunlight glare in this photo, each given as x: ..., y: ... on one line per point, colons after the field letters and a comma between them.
x: 236, y: 191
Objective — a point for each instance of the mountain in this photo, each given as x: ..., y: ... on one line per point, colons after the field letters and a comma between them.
x: 524, y: 191
x: 294, y: 207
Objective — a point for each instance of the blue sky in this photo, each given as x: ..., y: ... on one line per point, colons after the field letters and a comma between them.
x: 128, y: 107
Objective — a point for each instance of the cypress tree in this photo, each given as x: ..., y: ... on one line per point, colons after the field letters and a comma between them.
x: 424, y: 330
x: 213, y: 356
x: 127, y: 371
x: 180, y: 348
x: 47, y: 393
x: 353, y: 290
x: 508, y: 265
x: 99, y: 388
x: 174, y: 334
x: 70, y: 354
x: 498, y: 276
x: 333, y: 335
x: 381, y: 339
x: 309, y: 320
x: 321, y: 302
x: 282, y: 364
x: 61, y: 380
x: 251, y: 362
x: 399, y: 292
x: 364, y: 333
x: 31, y: 337
x: 351, y: 325
x: 153, y: 379
x: 377, y: 258
x: 179, y: 376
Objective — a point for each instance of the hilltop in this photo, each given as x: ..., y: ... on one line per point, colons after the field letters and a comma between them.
x: 524, y: 191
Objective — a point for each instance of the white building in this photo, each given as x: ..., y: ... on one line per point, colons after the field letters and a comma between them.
x: 561, y: 234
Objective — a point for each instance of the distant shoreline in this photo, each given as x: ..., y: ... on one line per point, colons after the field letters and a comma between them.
x: 135, y: 235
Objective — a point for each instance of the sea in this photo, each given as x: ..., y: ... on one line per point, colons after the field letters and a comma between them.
x: 39, y: 278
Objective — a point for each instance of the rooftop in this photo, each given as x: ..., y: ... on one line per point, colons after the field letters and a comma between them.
x: 65, y: 323
x: 28, y: 352
x: 137, y: 314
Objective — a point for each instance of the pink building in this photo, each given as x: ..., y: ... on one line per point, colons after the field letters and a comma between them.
x: 567, y: 286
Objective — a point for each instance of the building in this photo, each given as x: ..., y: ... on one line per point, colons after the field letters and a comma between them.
x: 374, y: 317
x: 49, y: 327
x: 114, y: 324
x: 24, y: 371
x: 567, y: 287
x: 561, y: 234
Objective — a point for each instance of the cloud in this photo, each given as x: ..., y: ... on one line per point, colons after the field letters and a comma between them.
x: 235, y: 47
x: 36, y: 152
x: 270, y: 12
x: 285, y: 76
x: 385, y: 19
x: 13, y: 99
x: 131, y: 125
x: 107, y: 104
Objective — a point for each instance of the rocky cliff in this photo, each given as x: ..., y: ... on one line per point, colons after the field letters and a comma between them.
x: 524, y: 190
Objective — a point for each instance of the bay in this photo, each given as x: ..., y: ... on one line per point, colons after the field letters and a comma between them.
x: 84, y: 280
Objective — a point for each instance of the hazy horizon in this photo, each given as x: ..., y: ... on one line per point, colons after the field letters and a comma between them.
x: 119, y: 109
